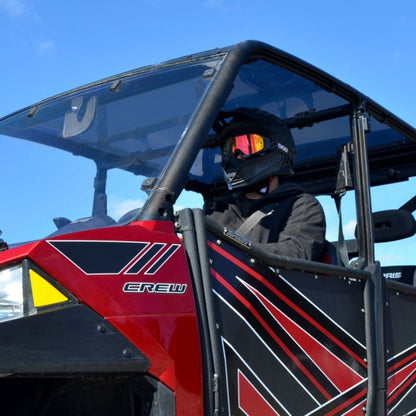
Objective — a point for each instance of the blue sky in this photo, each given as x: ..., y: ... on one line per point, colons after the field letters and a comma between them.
x: 51, y: 46
x: 48, y: 47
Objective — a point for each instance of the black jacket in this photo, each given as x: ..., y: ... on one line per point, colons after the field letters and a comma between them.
x: 294, y: 224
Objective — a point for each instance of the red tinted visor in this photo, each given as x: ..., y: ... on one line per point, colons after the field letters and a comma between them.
x: 245, y: 145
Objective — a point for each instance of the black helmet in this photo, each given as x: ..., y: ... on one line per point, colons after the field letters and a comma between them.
x: 255, y: 146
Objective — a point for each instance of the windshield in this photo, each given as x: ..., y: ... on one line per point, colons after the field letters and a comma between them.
x: 80, y: 160
x: 85, y: 154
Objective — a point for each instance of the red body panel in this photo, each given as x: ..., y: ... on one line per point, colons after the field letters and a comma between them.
x: 137, y: 278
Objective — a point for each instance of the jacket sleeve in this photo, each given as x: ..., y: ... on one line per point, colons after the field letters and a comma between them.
x: 303, y: 233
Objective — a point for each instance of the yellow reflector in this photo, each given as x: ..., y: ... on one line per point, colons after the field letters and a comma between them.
x: 44, y: 293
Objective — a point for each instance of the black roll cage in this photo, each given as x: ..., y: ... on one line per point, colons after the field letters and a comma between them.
x: 159, y: 205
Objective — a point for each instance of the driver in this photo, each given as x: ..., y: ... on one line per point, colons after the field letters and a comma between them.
x: 258, y: 153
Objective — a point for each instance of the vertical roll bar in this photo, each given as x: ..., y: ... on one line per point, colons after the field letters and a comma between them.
x: 374, y: 290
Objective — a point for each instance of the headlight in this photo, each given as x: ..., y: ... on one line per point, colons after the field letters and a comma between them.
x: 11, y: 293
x: 24, y: 289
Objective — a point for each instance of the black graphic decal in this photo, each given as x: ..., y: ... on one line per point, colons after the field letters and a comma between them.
x: 116, y: 257
x: 99, y: 257
x: 147, y: 257
x: 163, y: 259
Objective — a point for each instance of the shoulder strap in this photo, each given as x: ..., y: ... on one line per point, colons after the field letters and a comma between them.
x: 281, y: 207
x: 253, y: 220
x: 342, y: 244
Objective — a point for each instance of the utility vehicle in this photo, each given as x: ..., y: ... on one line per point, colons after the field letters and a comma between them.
x: 117, y: 295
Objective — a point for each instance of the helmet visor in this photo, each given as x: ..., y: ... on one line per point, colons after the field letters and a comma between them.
x: 245, y: 145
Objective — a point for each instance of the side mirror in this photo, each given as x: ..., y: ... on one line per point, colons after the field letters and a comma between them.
x: 392, y: 225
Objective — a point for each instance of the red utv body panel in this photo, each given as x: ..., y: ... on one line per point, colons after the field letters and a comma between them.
x: 137, y: 278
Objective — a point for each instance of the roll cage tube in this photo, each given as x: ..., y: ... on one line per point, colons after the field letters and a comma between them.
x: 359, y: 126
x: 374, y: 286
x: 159, y: 205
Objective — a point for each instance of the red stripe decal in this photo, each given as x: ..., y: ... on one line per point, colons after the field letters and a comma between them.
x: 357, y: 410
x: 342, y: 376
x: 401, y: 363
x: 250, y: 401
x: 272, y: 334
x: 401, y: 389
